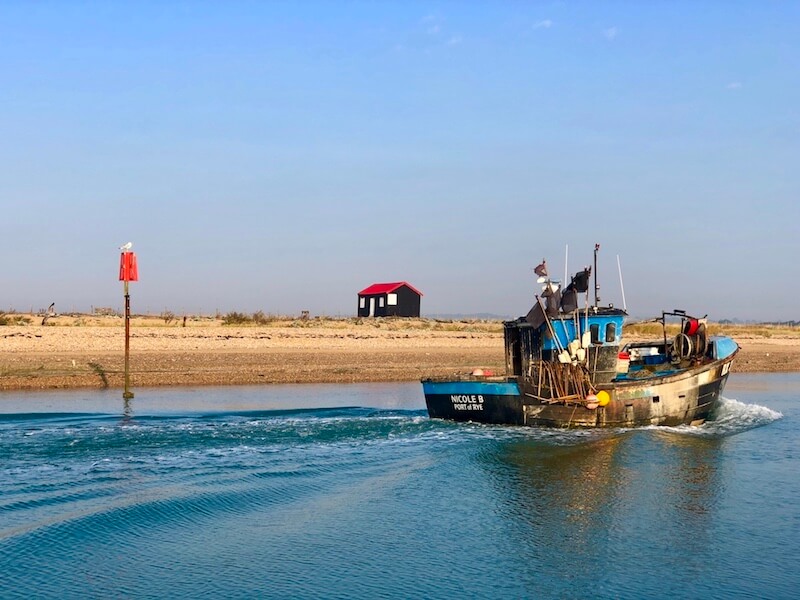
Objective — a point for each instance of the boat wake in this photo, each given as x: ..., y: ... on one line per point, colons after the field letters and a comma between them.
x: 733, y: 416
x: 730, y: 418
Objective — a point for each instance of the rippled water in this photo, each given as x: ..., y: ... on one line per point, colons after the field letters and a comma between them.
x: 353, y: 492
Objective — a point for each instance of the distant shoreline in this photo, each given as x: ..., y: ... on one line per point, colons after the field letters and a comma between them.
x: 90, y: 354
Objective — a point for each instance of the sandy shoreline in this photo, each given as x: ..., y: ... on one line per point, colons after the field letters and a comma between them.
x: 92, y: 356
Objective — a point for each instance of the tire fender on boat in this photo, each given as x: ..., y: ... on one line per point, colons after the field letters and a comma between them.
x: 683, y: 346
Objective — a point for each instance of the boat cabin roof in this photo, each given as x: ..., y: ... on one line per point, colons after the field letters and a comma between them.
x: 604, y: 325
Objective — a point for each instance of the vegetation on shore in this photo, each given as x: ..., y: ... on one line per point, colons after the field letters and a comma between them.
x: 640, y: 329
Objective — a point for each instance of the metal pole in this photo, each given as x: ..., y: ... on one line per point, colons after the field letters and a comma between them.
x: 596, y: 284
x: 621, y: 285
x: 127, y: 394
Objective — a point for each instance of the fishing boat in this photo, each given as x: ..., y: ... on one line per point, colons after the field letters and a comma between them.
x: 567, y: 366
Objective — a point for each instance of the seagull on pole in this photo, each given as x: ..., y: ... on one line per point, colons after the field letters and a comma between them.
x: 126, y: 247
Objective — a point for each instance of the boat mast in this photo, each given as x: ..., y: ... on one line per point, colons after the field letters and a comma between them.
x: 596, y: 284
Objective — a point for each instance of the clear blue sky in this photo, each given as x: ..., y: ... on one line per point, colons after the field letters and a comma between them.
x: 282, y: 156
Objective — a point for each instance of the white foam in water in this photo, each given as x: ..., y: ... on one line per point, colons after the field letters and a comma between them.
x: 731, y: 417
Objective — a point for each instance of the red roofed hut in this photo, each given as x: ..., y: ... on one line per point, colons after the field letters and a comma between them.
x: 398, y: 299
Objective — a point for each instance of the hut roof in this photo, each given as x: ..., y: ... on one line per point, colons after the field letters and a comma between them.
x: 386, y: 288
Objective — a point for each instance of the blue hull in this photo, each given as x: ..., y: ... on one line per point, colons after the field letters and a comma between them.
x: 477, y: 401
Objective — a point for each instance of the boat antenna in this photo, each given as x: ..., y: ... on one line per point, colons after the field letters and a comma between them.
x: 621, y: 286
x: 596, y: 285
x: 566, y: 260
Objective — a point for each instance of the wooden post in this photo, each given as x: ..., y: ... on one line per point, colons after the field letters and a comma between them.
x: 127, y: 394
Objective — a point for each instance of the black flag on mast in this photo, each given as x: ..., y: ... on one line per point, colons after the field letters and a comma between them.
x: 581, y: 280
x: 578, y: 285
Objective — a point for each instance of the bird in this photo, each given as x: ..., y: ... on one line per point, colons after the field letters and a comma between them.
x: 127, y: 246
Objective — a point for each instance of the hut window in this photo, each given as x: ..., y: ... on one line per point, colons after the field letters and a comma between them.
x: 362, y: 302
x: 380, y: 302
x: 595, y: 329
x: 391, y: 299
x: 611, y: 332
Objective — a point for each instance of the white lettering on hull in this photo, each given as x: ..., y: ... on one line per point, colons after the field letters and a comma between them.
x: 467, y: 401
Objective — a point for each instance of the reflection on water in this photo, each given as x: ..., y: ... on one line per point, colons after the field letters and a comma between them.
x: 575, y: 481
x: 127, y: 410
x: 561, y: 499
x: 692, y: 478
x: 575, y: 506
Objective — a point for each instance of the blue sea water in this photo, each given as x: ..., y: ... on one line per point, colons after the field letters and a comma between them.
x: 351, y: 491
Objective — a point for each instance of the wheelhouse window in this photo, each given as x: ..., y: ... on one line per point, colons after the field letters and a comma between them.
x: 611, y: 332
x: 595, y: 331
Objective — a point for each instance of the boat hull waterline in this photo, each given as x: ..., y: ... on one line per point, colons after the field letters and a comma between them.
x: 686, y: 398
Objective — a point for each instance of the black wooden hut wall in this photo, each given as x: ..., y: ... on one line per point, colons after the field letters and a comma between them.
x: 377, y: 296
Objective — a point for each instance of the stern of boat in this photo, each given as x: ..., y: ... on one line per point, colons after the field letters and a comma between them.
x: 495, y: 400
